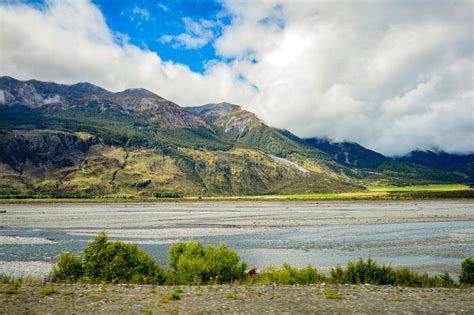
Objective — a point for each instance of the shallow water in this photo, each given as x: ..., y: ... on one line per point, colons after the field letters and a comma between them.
x: 423, y: 238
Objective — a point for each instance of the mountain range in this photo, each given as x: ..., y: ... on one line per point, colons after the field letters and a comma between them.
x: 83, y: 140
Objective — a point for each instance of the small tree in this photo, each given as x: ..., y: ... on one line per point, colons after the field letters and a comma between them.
x: 111, y: 262
x: 467, y: 271
x: 195, y: 264
x: 117, y: 262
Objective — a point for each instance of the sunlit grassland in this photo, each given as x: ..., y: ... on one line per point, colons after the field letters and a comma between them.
x: 379, y: 192
x: 437, y: 187
x: 313, y: 196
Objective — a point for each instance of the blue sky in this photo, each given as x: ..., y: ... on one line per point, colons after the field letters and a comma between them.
x: 146, y: 21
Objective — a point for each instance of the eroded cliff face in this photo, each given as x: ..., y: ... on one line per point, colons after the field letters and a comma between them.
x: 64, y: 163
x: 43, y: 148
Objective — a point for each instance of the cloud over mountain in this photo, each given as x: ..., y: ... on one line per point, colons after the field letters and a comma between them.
x: 391, y: 75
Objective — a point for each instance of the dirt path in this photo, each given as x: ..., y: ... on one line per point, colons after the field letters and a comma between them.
x: 120, y: 299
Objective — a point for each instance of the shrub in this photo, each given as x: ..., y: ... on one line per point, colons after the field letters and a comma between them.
x: 115, y: 262
x: 370, y: 272
x: 108, y: 262
x: 192, y: 263
x: 289, y: 275
x: 338, y: 274
x: 446, y: 280
x: 363, y: 272
x: 467, y: 271
x: 68, y: 267
x: 168, y: 194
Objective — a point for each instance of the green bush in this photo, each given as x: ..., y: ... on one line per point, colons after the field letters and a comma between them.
x: 104, y: 262
x: 192, y: 263
x: 169, y: 194
x: 289, y: 275
x: 68, y: 267
x: 467, y: 271
x: 369, y: 272
x: 109, y: 262
x: 115, y: 262
x: 366, y: 272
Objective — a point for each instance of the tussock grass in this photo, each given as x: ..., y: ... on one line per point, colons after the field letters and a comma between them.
x: 332, y: 295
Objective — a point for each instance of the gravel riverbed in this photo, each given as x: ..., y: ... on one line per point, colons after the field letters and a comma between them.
x: 425, y: 235
x: 256, y: 299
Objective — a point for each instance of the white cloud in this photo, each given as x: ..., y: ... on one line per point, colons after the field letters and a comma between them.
x: 391, y: 75
x: 69, y: 42
x: 142, y: 13
x: 196, y: 35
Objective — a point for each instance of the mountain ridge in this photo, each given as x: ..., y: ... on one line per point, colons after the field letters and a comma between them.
x: 81, y: 139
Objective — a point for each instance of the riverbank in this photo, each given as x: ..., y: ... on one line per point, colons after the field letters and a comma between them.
x: 255, y: 299
x: 377, y: 193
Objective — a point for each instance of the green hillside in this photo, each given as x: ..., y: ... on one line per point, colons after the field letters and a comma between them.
x: 93, y: 142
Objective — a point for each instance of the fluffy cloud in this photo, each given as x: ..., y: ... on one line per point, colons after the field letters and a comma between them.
x: 69, y: 41
x: 196, y: 35
x: 391, y: 75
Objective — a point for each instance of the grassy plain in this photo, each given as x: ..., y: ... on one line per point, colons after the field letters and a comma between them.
x: 432, y: 191
x: 436, y: 187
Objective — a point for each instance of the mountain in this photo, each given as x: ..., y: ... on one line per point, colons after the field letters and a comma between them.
x: 427, y: 165
x: 132, y: 117
x: 231, y: 118
x: 458, y: 163
x: 83, y: 140
x: 349, y: 153
x: 47, y: 97
x: 249, y: 130
x: 440, y: 160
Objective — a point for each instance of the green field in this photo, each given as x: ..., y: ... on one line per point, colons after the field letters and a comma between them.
x: 441, y: 187
x: 379, y: 192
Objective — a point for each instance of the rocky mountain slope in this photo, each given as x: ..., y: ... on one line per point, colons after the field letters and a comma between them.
x: 82, y: 140
x: 47, y: 97
x: 232, y: 118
